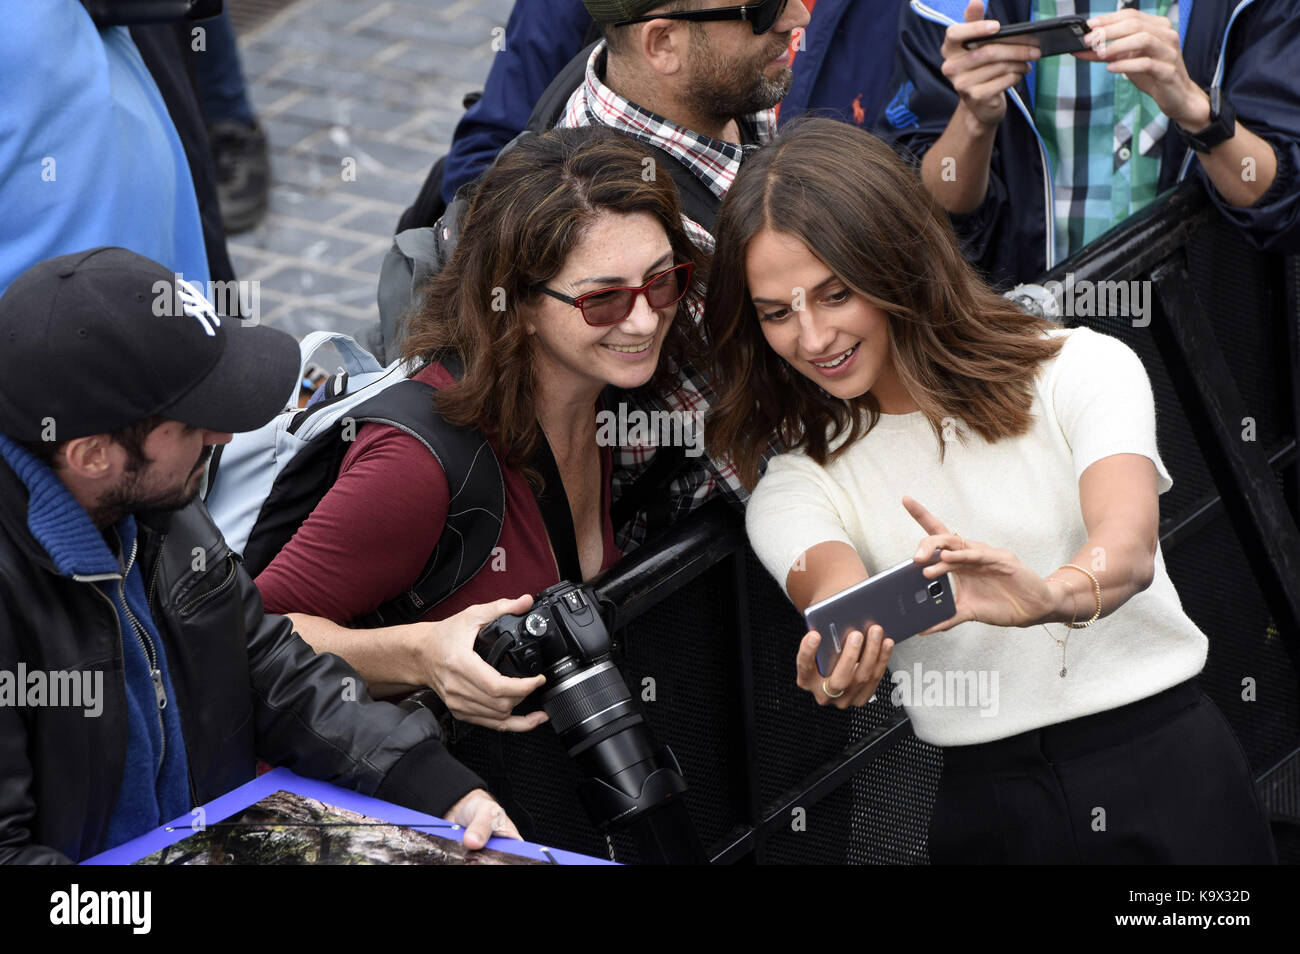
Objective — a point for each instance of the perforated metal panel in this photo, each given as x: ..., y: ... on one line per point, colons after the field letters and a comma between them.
x: 1241, y: 291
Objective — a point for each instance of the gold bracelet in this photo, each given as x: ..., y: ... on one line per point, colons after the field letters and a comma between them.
x: 1096, y: 586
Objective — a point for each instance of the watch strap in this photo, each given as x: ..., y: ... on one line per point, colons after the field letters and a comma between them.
x: 1222, y: 127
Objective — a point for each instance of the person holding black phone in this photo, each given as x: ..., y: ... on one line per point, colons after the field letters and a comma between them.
x: 1035, y: 155
x: 923, y: 412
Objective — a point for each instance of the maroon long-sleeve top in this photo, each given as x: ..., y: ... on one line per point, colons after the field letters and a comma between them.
x: 373, y: 532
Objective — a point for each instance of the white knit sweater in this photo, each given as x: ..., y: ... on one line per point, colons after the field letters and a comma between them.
x: 975, y: 682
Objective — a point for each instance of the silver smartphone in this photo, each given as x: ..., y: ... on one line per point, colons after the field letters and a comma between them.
x: 901, y: 600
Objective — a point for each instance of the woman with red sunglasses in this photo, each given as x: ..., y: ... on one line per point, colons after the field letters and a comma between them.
x: 565, y: 289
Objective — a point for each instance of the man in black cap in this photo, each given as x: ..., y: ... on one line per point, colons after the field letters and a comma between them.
x: 139, y: 674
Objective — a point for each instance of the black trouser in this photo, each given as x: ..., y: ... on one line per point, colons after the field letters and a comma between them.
x: 1159, y: 781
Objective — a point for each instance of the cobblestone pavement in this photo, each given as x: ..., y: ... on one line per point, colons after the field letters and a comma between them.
x: 373, y: 87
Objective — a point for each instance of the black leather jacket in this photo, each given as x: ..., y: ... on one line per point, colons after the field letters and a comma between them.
x: 248, y: 687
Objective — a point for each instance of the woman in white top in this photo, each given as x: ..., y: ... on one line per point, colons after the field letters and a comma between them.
x: 922, y: 411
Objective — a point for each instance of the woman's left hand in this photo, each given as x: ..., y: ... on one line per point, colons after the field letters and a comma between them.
x: 989, y: 585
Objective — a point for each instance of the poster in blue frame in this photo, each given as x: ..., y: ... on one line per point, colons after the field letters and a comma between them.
x: 282, y: 818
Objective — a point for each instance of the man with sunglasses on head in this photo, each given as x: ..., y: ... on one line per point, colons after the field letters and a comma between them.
x: 841, y: 62
x: 696, y: 81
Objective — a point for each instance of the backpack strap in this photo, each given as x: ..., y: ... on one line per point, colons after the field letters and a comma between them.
x: 553, y: 502
x: 649, y: 492
x: 476, y: 509
x: 697, y: 199
x: 428, y: 205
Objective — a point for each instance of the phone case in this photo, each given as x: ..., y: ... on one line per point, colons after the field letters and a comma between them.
x: 900, y: 599
x: 1054, y: 37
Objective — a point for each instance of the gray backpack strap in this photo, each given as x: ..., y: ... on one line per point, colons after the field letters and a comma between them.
x: 416, y: 256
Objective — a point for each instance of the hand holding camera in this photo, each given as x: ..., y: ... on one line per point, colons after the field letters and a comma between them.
x: 632, y: 782
x: 471, y: 689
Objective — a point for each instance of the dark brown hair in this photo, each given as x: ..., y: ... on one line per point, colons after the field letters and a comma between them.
x: 531, y: 210
x: 618, y: 38
x: 131, y: 438
x: 959, y: 349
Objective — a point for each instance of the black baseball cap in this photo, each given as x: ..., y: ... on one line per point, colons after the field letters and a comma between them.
x: 105, y: 338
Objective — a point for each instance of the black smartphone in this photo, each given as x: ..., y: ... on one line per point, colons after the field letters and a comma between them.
x: 901, y: 599
x: 1052, y: 37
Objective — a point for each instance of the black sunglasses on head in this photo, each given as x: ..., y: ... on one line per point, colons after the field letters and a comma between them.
x: 762, y: 16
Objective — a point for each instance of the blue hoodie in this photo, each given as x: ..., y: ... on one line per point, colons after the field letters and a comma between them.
x: 89, y: 155
x: 155, y: 778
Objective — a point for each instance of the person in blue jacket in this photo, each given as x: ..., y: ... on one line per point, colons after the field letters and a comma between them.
x: 89, y: 154
x: 844, y: 63
x: 1033, y: 157
x: 842, y: 70
x: 540, y: 38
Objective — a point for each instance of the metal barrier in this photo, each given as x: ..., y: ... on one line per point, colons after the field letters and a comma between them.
x: 709, y: 639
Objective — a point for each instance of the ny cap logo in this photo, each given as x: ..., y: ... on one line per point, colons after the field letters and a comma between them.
x: 196, y: 306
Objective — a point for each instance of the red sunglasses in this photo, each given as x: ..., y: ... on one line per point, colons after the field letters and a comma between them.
x: 609, y: 306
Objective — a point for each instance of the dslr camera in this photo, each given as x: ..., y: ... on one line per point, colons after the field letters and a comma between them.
x: 564, y: 638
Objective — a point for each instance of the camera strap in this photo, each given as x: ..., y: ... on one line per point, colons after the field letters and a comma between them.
x: 556, y: 514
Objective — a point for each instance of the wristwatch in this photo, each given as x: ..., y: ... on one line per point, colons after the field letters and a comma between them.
x: 1223, y: 123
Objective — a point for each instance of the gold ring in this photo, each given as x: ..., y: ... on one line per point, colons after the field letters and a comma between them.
x: 831, y: 695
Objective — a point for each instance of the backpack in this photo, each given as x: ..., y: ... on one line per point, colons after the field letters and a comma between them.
x: 264, y: 484
x: 421, y: 250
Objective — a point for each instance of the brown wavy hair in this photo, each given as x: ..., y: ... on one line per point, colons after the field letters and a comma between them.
x: 960, y: 350
x: 530, y: 211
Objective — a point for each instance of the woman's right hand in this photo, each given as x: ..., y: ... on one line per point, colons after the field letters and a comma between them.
x: 856, y: 674
x: 472, y: 690
x: 982, y: 76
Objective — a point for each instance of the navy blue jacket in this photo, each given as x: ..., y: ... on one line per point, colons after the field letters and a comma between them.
x: 843, y: 72
x: 541, y: 37
x: 1250, y: 47
x: 848, y: 58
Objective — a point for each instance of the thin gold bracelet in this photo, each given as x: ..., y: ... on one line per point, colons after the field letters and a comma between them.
x: 1096, y: 586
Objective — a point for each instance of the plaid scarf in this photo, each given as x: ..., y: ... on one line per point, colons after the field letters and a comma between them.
x: 715, y: 163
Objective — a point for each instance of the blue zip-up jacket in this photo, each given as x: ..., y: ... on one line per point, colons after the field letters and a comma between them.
x: 155, y: 778
x: 1249, y: 47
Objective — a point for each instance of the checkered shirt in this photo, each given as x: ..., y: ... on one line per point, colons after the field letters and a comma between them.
x: 1104, y: 136
x: 716, y: 164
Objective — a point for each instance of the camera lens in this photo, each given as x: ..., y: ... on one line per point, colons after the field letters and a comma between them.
x: 935, y: 589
